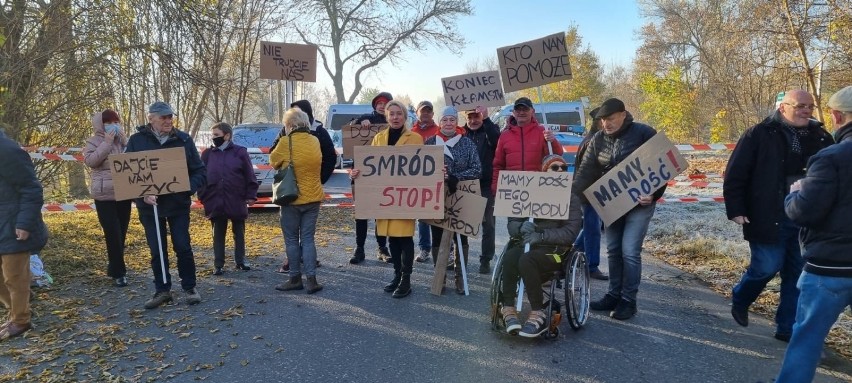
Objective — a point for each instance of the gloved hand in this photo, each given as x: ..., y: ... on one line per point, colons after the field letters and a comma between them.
x: 533, y: 238
x: 452, y: 183
x: 529, y: 227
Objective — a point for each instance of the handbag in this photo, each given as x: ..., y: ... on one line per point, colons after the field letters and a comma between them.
x: 285, y: 189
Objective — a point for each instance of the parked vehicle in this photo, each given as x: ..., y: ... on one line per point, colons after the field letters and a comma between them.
x: 258, y: 137
x: 343, y: 114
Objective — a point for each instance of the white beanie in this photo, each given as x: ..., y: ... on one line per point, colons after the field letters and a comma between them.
x: 450, y: 111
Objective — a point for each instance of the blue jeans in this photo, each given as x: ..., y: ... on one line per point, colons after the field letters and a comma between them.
x: 624, y: 249
x: 768, y: 259
x: 299, y: 223
x: 821, y: 301
x: 589, y: 240
x: 425, y: 236
x: 178, y: 227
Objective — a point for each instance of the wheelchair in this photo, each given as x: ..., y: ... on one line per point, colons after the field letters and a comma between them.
x: 573, y: 279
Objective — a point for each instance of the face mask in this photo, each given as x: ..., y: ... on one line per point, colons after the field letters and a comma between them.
x: 112, y: 128
x: 218, y: 141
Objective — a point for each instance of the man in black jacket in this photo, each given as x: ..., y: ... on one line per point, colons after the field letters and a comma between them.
x: 768, y: 158
x: 822, y: 204
x: 366, y: 120
x: 485, y: 135
x: 172, y: 209
x: 22, y: 232
x: 620, y: 136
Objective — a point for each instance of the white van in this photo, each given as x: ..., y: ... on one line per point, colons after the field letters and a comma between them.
x: 343, y: 114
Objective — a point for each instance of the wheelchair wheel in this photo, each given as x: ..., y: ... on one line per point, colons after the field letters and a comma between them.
x: 577, y: 290
x: 496, y: 297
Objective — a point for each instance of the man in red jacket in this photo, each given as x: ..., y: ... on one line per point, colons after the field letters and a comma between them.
x: 524, y: 142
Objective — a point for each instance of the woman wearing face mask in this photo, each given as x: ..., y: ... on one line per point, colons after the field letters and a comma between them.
x: 114, y: 216
x: 461, y: 163
x: 231, y: 184
x: 399, y: 231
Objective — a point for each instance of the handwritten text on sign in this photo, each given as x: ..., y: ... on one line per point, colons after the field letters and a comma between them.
x: 152, y: 172
x: 644, y: 172
x: 463, y: 213
x: 533, y: 194
x: 468, y: 91
x: 533, y: 63
x: 404, y: 182
x: 281, y: 61
x: 356, y: 135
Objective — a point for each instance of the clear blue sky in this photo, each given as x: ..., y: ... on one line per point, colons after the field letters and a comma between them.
x: 608, y: 26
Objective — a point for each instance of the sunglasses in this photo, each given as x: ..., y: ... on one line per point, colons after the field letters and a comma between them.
x: 558, y: 167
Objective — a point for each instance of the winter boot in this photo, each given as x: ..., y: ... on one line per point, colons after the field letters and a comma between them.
x: 404, y: 287
x: 312, y: 286
x: 390, y: 287
x: 294, y: 283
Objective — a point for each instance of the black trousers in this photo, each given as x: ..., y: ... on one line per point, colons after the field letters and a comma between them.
x: 402, y: 253
x: 529, y: 267
x: 220, y: 228
x: 114, y: 217
x: 437, y: 234
x: 361, y: 234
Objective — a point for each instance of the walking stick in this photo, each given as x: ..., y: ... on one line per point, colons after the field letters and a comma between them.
x: 461, y: 262
x: 160, y: 243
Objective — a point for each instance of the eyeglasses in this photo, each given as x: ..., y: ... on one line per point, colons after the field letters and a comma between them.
x: 558, y: 167
x: 801, y: 106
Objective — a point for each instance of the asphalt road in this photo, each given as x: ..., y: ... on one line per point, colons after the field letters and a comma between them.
x: 352, y: 331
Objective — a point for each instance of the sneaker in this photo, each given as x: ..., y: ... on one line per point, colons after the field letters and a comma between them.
x: 535, y: 325
x: 383, y: 255
x: 192, y: 297
x: 740, y: 315
x: 357, y: 256
x: 783, y: 336
x: 510, y: 317
x: 624, y: 310
x: 424, y: 256
x: 597, y: 274
x: 218, y: 271
x: 121, y: 282
x: 243, y: 267
x: 159, y: 299
x: 607, y: 303
x: 485, y: 267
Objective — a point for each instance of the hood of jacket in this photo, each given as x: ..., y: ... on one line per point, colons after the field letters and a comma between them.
x: 382, y: 94
x: 305, y: 106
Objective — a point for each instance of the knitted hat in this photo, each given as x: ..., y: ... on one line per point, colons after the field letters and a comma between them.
x: 553, y: 159
x: 450, y: 111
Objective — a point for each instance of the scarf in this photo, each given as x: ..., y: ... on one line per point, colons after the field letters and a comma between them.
x: 439, y: 140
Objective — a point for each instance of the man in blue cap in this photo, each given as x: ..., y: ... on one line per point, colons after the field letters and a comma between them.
x: 173, y: 209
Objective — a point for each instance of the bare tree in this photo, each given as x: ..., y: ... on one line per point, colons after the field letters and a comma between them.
x: 357, y: 35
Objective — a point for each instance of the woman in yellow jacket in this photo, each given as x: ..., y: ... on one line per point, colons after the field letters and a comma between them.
x: 299, y: 218
x: 399, y: 231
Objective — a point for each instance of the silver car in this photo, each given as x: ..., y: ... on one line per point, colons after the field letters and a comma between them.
x: 258, y: 138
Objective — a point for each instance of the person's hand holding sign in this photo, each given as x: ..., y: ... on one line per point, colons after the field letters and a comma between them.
x: 150, y: 199
x: 646, y: 200
x: 354, y: 173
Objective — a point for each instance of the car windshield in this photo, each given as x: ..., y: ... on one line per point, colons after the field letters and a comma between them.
x: 564, y: 118
x: 255, y: 137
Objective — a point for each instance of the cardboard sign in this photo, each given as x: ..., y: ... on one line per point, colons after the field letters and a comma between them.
x: 281, y: 61
x: 533, y: 63
x: 470, y: 186
x: 151, y: 172
x: 404, y: 182
x: 644, y: 172
x: 533, y: 194
x: 467, y: 91
x: 357, y: 135
x: 463, y: 213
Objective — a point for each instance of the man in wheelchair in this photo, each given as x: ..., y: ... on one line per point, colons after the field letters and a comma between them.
x: 550, y: 244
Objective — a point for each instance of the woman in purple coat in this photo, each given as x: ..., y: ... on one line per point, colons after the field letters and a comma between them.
x: 231, y: 184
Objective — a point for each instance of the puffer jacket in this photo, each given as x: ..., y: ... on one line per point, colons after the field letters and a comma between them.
x: 169, y: 205
x: 307, y: 161
x: 396, y: 227
x: 521, y: 148
x: 95, y: 157
x: 823, y: 207
x: 21, y: 197
x: 605, y: 151
x: 230, y: 182
x: 329, y: 154
x: 464, y: 163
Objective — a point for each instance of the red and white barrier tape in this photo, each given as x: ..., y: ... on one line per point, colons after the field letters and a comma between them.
x: 698, y: 176
x: 691, y: 199
x: 696, y: 184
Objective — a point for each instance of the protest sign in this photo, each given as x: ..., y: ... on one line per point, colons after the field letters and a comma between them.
x: 533, y: 63
x: 645, y: 171
x: 467, y: 91
x: 281, y: 61
x: 470, y: 186
x: 544, y: 195
x: 357, y: 135
x: 152, y: 172
x: 404, y: 182
x: 463, y: 213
